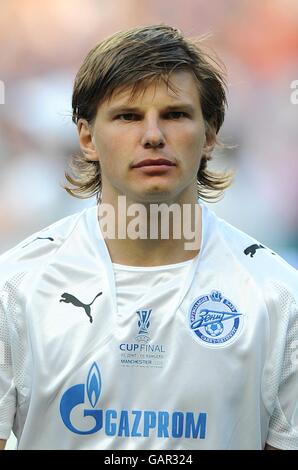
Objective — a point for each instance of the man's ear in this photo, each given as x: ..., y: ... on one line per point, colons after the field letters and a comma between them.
x: 210, y: 142
x: 86, y: 138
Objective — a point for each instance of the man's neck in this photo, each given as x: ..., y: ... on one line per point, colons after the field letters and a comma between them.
x: 141, y: 237
x: 142, y: 253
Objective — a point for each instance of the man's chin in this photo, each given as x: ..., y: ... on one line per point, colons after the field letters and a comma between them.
x: 154, y: 197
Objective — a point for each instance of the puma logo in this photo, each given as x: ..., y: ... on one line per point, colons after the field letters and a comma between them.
x: 251, y: 250
x: 71, y: 299
x: 39, y: 238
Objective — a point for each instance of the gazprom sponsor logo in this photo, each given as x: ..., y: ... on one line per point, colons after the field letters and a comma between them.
x: 162, y: 424
x: 80, y: 414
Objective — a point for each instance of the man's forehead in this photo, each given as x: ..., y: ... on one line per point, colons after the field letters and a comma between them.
x: 178, y: 87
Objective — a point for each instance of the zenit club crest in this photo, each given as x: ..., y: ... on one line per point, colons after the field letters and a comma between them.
x: 214, y: 319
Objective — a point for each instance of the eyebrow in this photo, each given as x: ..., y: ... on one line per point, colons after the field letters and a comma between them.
x: 132, y: 109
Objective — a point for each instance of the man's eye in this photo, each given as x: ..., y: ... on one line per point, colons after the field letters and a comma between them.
x: 176, y: 114
x: 127, y: 117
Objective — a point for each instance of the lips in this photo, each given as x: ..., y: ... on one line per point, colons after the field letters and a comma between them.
x: 154, y: 162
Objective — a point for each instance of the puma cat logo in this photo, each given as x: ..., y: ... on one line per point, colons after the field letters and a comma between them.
x: 39, y: 238
x: 251, y: 250
x: 71, y: 299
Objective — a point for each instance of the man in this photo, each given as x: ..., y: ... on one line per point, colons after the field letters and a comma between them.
x: 120, y: 334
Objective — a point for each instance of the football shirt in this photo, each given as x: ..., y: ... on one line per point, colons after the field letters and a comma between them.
x: 205, y: 357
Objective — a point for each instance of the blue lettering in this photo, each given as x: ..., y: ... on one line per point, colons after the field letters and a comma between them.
x: 177, y: 424
x: 123, y: 429
x: 138, y: 415
x: 163, y: 424
x: 110, y: 427
x: 149, y: 422
x: 192, y: 429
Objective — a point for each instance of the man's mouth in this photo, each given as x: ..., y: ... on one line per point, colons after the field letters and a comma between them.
x: 154, y: 162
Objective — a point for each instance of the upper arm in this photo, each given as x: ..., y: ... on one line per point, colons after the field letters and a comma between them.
x: 282, y: 382
x: 268, y: 447
x: 7, y: 381
x: 2, y: 444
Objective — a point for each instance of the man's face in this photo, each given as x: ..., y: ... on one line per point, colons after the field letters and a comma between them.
x: 150, y: 148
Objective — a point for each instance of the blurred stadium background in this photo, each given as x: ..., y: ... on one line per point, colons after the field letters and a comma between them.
x: 42, y: 44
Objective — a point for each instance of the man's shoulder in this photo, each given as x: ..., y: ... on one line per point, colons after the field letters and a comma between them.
x: 263, y: 263
x: 28, y: 255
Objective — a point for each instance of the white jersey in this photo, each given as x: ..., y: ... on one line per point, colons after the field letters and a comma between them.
x: 205, y: 357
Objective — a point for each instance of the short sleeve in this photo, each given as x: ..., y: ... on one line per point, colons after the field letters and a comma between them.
x: 283, y: 426
x: 7, y: 387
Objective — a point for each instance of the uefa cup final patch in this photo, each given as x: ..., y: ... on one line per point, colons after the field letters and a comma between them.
x: 214, y: 320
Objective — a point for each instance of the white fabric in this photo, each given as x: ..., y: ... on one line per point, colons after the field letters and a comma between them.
x: 149, y: 375
x: 132, y: 282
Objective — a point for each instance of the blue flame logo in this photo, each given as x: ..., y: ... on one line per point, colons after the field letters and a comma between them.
x: 93, y: 385
x: 75, y: 396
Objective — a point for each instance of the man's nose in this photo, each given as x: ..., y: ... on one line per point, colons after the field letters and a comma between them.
x: 153, y: 136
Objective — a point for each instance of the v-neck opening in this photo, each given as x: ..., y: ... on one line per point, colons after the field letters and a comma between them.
x: 105, y: 259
